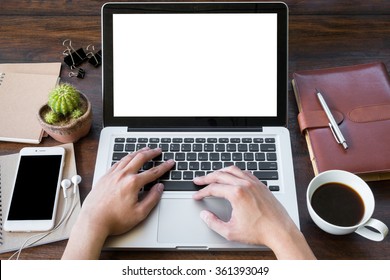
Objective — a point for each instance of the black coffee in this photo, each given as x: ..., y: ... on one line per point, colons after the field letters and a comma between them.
x: 338, y: 204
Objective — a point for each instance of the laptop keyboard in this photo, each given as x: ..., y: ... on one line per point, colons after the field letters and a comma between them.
x: 200, y: 156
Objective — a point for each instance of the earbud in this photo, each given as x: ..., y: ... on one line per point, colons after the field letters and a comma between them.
x: 76, y: 179
x: 65, y: 184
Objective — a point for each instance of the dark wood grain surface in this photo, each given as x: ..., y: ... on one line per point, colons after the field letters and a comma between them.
x: 322, y: 33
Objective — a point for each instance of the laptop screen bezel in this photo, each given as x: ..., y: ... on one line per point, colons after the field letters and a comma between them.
x: 212, y: 122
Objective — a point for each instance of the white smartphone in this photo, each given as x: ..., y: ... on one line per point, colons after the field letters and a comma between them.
x: 34, y: 199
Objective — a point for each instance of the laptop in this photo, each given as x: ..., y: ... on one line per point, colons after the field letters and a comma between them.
x: 206, y: 82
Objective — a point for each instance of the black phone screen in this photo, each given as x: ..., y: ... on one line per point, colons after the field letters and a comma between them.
x: 35, y: 188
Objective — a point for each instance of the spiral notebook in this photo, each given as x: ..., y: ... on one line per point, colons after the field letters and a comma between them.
x: 24, y: 88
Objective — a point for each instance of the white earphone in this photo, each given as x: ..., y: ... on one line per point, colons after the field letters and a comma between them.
x: 76, y: 179
x: 65, y: 184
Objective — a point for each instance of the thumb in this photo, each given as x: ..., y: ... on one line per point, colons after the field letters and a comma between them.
x: 150, y: 200
x: 214, y: 223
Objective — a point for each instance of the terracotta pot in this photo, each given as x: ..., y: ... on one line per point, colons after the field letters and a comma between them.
x: 71, y: 132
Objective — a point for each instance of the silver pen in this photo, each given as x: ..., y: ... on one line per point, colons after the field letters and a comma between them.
x: 332, y: 122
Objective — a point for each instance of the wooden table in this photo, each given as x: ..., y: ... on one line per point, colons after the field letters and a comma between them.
x: 323, y: 33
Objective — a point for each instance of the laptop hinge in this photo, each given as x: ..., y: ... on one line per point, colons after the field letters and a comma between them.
x: 197, y: 129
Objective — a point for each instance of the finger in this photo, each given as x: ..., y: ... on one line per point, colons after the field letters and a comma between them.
x: 140, y: 159
x: 214, y: 223
x: 234, y: 170
x: 155, y: 172
x: 215, y: 189
x: 127, y: 159
x: 222, y: 176
x: 150, y: 200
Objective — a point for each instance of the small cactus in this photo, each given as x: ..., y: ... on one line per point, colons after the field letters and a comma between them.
x: 77, y: 114
x: 64, y: 102
x: 64, y: 99
x: 51, y: 117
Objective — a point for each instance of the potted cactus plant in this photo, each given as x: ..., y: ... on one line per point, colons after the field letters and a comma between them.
x: 67, y: 116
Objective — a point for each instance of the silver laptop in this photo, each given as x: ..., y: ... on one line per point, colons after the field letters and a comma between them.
x: 206, y: 82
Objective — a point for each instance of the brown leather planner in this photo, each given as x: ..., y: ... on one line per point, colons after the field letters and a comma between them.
x: 359, y: 99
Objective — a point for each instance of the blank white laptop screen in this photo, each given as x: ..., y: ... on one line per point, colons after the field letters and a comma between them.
x: 207, y: 64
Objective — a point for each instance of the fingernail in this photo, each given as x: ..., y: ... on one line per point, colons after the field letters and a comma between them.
x: 197, y: 178
x: 204, y: 216
x: 160, y: 187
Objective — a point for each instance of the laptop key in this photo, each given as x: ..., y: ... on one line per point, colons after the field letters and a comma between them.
x: 180, y: 156
x: 216, y: 165
x: 266, y: 175
x: 260, y: 156
x: 268, y: 165
x: 140, y: 146
x: 180, y: 186
x: 154, y: 140
x: 188, y: 175
x: 186, y: 147
x: 199, y: 173
x: 267, y: 147
x: 205, y: 165
x: 240, y: 164
x: 242, y: 147
x: 182, y: 165
x: 176, y: 175
x: 203, y: 156
x: 118, y: 156
x: 194, y: 165
x: 130, y: 147
x: 252, y: 165
x: 271, y: 157
x: 226, y: 157
x: 174, y: 147
x: 118, y: 147
x: 168, y: 156
x: 191, y: 156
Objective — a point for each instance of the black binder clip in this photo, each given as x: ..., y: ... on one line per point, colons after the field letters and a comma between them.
x: 73, y: 58
x: 80, y: 74
x: 94, y: 58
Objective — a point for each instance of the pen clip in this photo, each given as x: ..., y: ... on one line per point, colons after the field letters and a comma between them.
x: 334, y: 134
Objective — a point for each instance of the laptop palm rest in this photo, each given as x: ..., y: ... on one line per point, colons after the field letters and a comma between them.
x: 179, y: 220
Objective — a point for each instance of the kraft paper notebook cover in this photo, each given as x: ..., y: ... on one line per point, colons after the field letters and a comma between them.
x: 49, y: 68
x: 10, y: 241
x: 21, y: 96
x: 359, y: 98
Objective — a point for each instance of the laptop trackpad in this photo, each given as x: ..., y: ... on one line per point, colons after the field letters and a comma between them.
x: 179, y: 220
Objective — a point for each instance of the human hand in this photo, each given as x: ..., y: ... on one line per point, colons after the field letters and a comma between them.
x: 113, y: 203
x: 257, y: 216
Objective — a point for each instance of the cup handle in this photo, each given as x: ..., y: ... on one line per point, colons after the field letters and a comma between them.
x: 380, y: 232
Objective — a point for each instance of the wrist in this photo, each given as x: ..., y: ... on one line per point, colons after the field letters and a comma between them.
x: 86, y: 240
x: 291, y: 244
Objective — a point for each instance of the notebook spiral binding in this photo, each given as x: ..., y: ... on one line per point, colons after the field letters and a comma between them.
x: 2, y: 75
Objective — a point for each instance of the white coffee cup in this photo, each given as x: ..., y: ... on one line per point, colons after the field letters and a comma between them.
x: 363, y: 190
